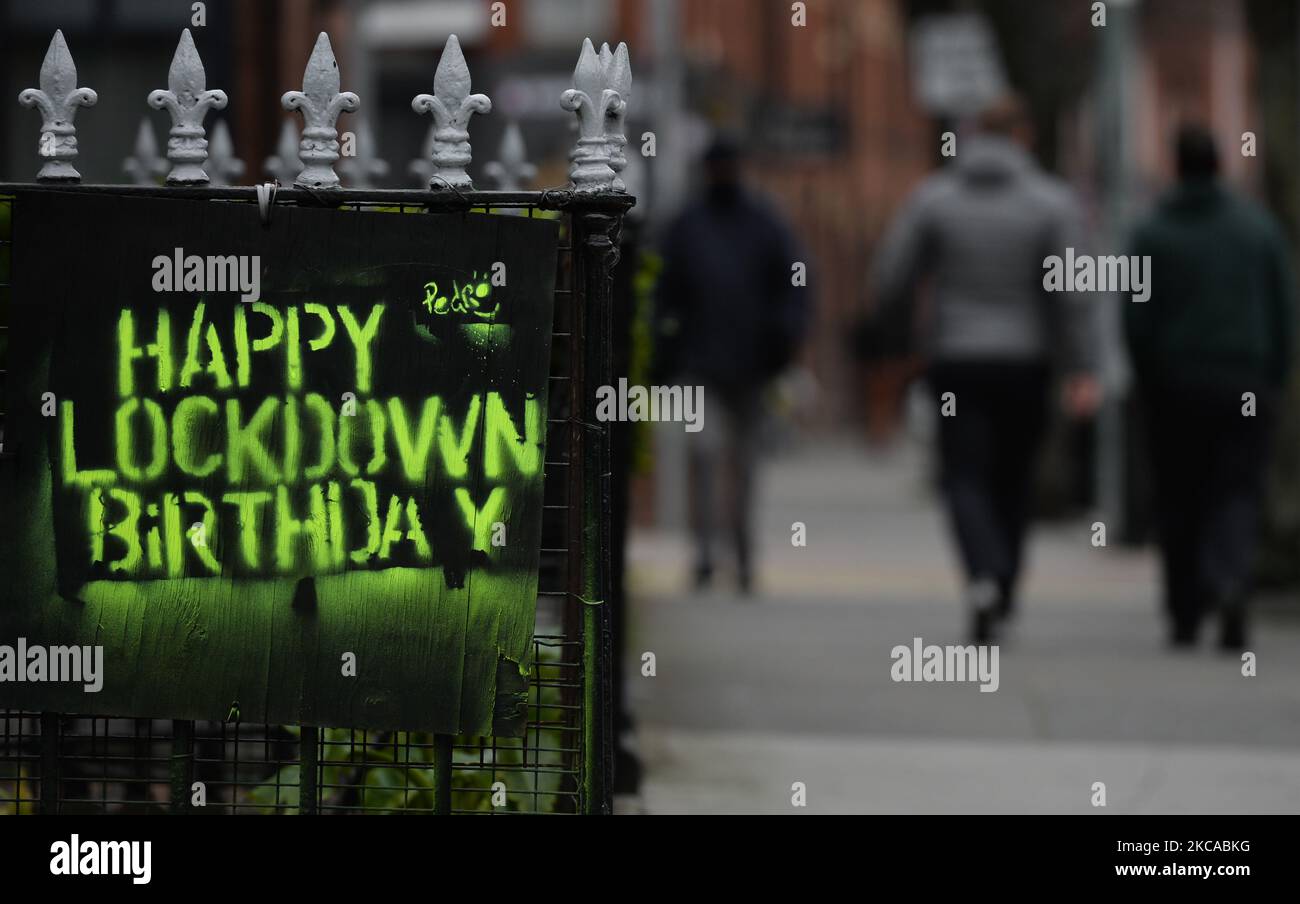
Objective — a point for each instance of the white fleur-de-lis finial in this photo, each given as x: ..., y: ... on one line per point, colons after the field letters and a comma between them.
x: 511, y: 171
x: 188, y: 101
x: 225, y: 166
x: 284, y: 165
x: 58, y: 99
x: 591, y: 100
x: 145, y: 165
x: 451, y: 105
x: 321, y: 104
x: 363, y: 167
x: 618, y: 77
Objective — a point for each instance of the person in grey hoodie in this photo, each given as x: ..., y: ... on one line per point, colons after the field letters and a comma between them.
x: 978, y: 232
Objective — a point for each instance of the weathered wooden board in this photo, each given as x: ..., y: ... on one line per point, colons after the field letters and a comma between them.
x: 232, y: 496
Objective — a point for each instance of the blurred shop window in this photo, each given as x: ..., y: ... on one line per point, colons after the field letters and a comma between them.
x: 402, y: 23
x: 553, y: 23
x: 66, y: 14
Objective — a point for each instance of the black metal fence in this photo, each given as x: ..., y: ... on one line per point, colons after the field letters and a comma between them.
x: 68, y: 763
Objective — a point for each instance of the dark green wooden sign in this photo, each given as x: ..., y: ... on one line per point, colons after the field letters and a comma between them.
x: 295, y: 467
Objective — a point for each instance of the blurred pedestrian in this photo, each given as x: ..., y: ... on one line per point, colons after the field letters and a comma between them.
x: 732, y: 314
x: 1210, y: 351
x: 978, y: 232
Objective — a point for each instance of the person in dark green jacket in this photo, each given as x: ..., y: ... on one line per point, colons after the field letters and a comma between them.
x: 1210, y: 351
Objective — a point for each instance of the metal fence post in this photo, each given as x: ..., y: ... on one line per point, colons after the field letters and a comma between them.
x: 49, y: 764
x: 182, y: 765
x: 598, y: 234
x: 308, y: 766
x: 442, y: 745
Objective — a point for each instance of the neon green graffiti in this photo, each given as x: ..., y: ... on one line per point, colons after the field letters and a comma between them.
x: 334, y: 504
x: 244, y: 443
x: 288, y: 529
x: 204, y: 552
x: 127, y: 531
x: 325, y: 420
x: 455, y: 450
x: 501, y: 434
x: 371, y: 499
x: 165, y: 549
x: 394, y: 534
x: 294, y: 366
x: 216, y: 366
x: 186, y: 433
x: 247, y: 505
x: 172, y: 535
x: 414, y: 454
x: 375, y: 419
x: 243, y: 357
x: 361, y: 338
x: 292, y: 439
x: 68, y: 456
x: 158, y: 429
x: 266, y: 447
x: 480, y: 521
x: 128, y: 351
x: 95, y: 517
x: 152, y: 541
x: 466, y: 299
x: 284, y: 330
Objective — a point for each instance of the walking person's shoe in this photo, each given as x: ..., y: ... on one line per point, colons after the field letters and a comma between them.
x: 1183, y: 632
x: 982, y: 598
x: 703, y: 575
x: 744, y: 565
x: 1185, y: 616
x: 1232, y: 623
x: 1232, y: 631
x: 1006, y: 599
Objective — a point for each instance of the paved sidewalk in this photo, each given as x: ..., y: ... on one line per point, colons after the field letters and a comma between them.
x: 751, y: 696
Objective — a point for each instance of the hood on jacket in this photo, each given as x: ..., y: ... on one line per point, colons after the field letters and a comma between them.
x: 991, y: 158
x: 1194, y: 197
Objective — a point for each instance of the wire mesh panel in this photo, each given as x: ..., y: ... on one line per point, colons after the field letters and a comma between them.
x: 68, y: 763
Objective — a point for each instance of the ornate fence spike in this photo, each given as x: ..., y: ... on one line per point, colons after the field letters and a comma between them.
x: 618, y: 77
x: 225, y: 166
x: 511, y: 171
x: 362, y: 168
x: 284, y: 166
x: 451, y: 105
x: 321, y: 103
x: 188, y: 101
x: 591, y: 100
x: 58, y: 98
x: 145, y: 165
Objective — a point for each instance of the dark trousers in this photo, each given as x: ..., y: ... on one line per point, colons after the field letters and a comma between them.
x: 721, y: 463
x: 987, y: 453
x: 1208, y: 461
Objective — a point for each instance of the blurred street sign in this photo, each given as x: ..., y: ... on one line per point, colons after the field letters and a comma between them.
x: 794, y: 130
x: 956, y: 66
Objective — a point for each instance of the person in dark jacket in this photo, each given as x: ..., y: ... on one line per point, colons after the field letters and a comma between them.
x: 979, y: 231
x: 1210, y: 351
x: 732, y: 315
